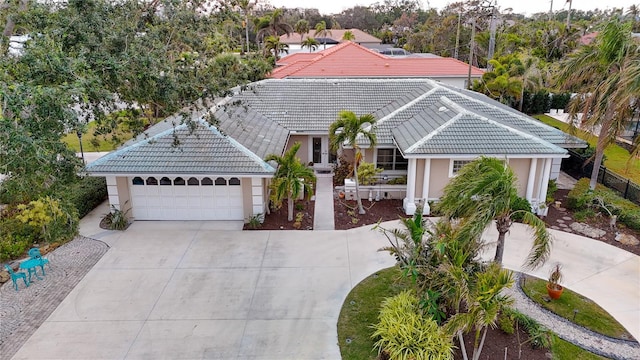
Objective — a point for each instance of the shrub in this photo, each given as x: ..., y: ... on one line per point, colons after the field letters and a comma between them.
x: 551, y: 191
x: 368, y: 173
x: 342, y: 171
x: 117, y: 219
x: 398, y: 181
x: 519, y: 204
x: 582, y: 197
x: 403, y: 333
x: 87, y: 194
x: 50, y: 220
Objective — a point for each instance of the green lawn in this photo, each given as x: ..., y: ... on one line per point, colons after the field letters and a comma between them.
x: 89, y: 140
x: 589, y: 315
x: 617, y: 158
x: 360, y: 311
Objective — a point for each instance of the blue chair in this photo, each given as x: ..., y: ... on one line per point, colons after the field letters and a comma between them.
x: 34, y: 254
x: 15, y: 276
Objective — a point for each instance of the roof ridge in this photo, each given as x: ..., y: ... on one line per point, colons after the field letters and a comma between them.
x: 408, y: 105
x: 435, y: 132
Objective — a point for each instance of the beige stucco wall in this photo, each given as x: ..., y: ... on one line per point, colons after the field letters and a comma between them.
x: 124, y: 196
x: 303, y: 153
x: 439, y: 177
x: 521, y: 168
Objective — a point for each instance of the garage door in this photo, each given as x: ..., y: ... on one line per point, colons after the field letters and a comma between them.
x: 193, y: 198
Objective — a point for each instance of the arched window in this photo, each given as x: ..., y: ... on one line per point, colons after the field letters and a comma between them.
x: 206, y: 182
x: 234, y: 181
x: 152, y: 181
x: 221, y: 181
x: 193, y: 181
x: 178, y: 181
x: 165, y: 181
x: 137, y: 181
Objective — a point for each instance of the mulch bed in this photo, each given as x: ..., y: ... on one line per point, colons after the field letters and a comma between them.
x: 600, y: 222
x: 347, y: 217
x: 498, y: 343
x: 277, y: 220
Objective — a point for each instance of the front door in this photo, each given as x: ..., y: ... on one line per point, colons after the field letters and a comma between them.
x: 317, y: 150
x: 320, y: 154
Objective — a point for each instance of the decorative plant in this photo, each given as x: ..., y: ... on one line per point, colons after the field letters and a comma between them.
x: 368, y: 173
x: 117, y: 219
x: 255, y: 221
x: 555, y: 277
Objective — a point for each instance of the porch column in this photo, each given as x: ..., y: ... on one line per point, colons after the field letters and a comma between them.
x: 544, y: 185
x: 409, y: 202
x: 425, y: 186
x: 531, y: 182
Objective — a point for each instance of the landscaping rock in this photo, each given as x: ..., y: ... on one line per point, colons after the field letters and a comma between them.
x: 627, y: 239
x: 587, y: 230
x: 4, y: 277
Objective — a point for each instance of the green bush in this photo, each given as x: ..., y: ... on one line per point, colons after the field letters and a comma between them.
x: 342, y: 171
x: 520, y: 205
x: 405, y: 334
x: 582, y: 197
x: 87, y: 194
x: 368, y: 173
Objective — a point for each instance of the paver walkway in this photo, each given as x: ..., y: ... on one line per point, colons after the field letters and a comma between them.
x: 22, y: 312
x: 323, y: 218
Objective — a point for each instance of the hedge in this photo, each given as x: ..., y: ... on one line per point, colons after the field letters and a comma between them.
x: 581, y: 196
x: 87, y: 194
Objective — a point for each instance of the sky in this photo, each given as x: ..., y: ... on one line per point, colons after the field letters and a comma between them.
x: 519, y: 6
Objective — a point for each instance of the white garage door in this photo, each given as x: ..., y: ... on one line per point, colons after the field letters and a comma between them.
x: 186, y: 198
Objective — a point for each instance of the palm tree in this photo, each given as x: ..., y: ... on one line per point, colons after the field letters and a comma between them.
x: 310, y: 43
x: 292, y: 178
x: 321, y: 31
x: 483, y: 302
x: 348, y: 128
x: 273, y: 45
x: 301, y: 27
x: 605, y: 73
x: 483, y: 191
x: 245, y: 6
x: 530, y: 75
x: 273, y: 24
x: 348, y: 36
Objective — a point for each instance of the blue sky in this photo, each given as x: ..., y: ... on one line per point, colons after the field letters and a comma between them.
x: 518, y: 6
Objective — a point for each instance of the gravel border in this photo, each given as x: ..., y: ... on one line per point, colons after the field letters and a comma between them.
x: 22, y: 312
x: 602, y: 345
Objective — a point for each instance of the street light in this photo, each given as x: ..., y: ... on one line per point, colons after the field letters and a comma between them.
x: 79, y: 133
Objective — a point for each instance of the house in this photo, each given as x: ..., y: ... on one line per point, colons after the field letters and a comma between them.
x: 425, y: 130
x: 333, y: 36
x: 352, y: 60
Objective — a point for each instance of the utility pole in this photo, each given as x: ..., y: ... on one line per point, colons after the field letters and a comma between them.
x: 492, y: 37
x: 472, y: 45
x: 455, y: 53
x: 551, y: 11
x: 569, y: 14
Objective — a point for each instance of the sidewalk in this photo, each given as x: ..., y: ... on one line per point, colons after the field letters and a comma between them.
x: 323, y: 218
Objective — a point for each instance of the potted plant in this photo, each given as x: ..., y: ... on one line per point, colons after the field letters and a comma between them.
x: 554, y: 289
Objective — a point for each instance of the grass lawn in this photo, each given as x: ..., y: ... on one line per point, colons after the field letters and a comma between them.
x: 589, y: 315
x: 105, y: 142
x: 360, y: 311
x: 616, y: 156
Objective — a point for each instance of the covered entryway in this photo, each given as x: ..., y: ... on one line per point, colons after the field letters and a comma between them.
x: 181, y: 198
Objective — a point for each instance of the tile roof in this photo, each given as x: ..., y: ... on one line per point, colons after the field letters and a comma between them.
x: 179, y: 150
x: 352, y: 60
x: 335, y: 34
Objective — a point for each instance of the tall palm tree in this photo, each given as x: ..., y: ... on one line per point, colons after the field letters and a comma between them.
x: 291, y: 179
x: 273, y: 45
x: 310, y: 43
x: 348, y: 128
x: 274, y: 24
x: 322, y: 31
x: 245, y: 6
x: 606, y: 75
x: 348, y: 36
x: 301, y: 27
x: 483, y: 191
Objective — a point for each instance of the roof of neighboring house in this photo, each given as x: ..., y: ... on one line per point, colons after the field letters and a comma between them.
x: 422, y: 117
x: 181, y: 150
x: 361, y: 37
x: 352, y: 60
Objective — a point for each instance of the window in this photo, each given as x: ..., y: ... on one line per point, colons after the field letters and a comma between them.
x: 234, y: 181
x: 165, y: 181
x: 391, y: 159
x: 456, y: 165
x: 193, y: 181
x: 152, y: 181
x: 206, y: 182
x: 221, y: 181
x: 178, y: 181
x: 137, y: 181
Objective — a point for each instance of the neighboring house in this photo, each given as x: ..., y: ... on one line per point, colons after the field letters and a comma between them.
x: 352, y: 60
x: 361, y: 38
x: 426, y: 130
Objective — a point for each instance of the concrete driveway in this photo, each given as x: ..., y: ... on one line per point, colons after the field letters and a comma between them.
x: 178, y: 290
